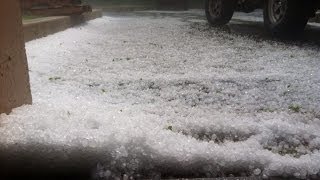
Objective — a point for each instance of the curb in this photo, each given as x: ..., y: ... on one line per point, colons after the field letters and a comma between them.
x: 41, y: 27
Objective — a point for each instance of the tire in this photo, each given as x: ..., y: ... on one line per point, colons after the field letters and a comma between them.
x: 219, y: 12
x: 286, y: 18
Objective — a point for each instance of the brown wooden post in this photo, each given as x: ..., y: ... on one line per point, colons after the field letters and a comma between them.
x: 14, y: 78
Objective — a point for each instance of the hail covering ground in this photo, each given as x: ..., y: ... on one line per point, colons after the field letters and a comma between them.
x: 167, y: 95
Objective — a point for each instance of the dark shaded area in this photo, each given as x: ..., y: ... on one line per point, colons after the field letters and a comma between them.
x: 172, y: 4
x: 52, y: 162
x: 21, y: 161
x: 153, y: 4
x: 60, y: 163
x: 257, y: 31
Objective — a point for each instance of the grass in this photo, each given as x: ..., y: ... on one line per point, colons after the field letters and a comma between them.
x: 295, y: 108
x: 55, y: 78
x: 267, y: 109
x: 170, y: 128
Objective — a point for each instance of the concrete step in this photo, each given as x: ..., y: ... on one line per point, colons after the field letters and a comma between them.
x: 41, y: 27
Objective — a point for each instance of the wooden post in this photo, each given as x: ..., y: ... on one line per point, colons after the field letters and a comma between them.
x: 14, y: 78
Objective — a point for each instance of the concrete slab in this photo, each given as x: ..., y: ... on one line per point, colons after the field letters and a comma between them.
x: 41, y: 27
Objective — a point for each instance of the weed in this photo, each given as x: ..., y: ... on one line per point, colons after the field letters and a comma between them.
x: 170, y: 128
x: 295, y: 108
x: 55, y: 78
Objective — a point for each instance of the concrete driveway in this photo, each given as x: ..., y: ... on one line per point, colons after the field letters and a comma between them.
x: 162, y: 94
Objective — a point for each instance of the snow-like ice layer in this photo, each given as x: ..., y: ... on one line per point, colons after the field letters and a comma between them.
x: 164, y: 95
x: 255, y: 16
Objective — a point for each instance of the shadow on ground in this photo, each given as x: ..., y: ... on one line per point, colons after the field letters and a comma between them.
x: 20, y: 161
x: 239, y: 26
x: 257, y: 30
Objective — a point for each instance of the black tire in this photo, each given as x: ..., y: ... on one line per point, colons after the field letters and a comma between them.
x: 286, y: 18
x: 219, y: 12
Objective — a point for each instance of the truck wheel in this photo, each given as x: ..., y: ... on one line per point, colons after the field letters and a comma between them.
x: 219, y: 12
x: 285, y: 18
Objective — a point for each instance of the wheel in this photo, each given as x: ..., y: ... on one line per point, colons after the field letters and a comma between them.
x: 286, y: 18
x: 219, y: 12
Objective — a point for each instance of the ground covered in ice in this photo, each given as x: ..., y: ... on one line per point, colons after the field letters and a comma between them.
x: 152, y: 94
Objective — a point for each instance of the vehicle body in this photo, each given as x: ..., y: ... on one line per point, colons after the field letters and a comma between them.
x: 282, y: 18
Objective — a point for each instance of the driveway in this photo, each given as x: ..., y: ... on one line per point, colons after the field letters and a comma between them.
x: 162, y: 94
